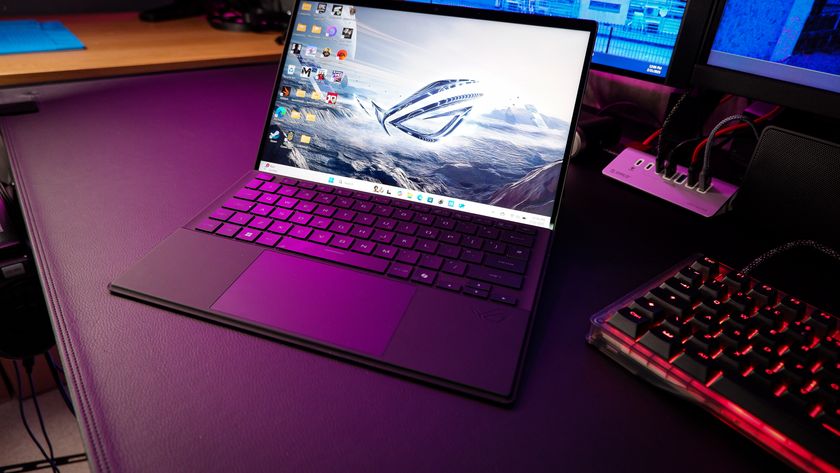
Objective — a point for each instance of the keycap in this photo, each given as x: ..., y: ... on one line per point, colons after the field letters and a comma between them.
x: 208, y: 225
x: 475, y: 292
x: 670, y: 301
x: 707, y: 267
x: 408, y: 256
x: 385, y: 251
x: 247, y: 194
x: 517, y: 239
x: 503, y: 298
x: 365, y: 247
x: 280, y: 227
x: 430, y: 261
x: 737, y: 282
x: 221, y: 214
x: 630, y: 322
x: 662, y: 342
x: 445, y: 282
x: 228, y: 230
x: 495, y: 276
x: 248, y: 235
x: 454, y: 267
x: 264, y: 176
x: 238, y: 204
x: 697, y: 363
x: 791, y: 308
x: 508, y: 264
x: 299, y: 231
x: 423, y: 276
x: 268, y: 239
x: 348, y: 258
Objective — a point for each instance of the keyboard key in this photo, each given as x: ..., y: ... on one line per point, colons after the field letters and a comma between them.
x: 321, y: 236
x: 269, y: 187
x: 455, y: 267
x: 325, y: 211
x: 343, y: 242
x: 424, y: 276
x: 488, y: 232
x: 254, y: 184
x: 426, y: 246
x: 402, y: 271
x: 324, y: 188
x: 247, y: 194
x: 503, y: 297
x: 208, y: 225
x: 518, y: 252
x: 662, y: 342
x: 404, y: 241
x: 631, y: 322
x: 268, y: 199
x: 320, y: 222
x: 648, y: 308
x: 404, y: 215
x: 472, y: 256
x: 360, y: 231
x: 228, y: 230
x: 288, y: 191
x: 408, y: 256
x: 407, y: 228
x: 365, y: 219
x: 307, y: 185
x: 383, y: 236
x: 698, y: 364
x: 449, y: 283
x: 476, y: 292
x: 340, y: 227
x: 300, y: 218
x: 299, y: 231
x: 364, y: 247
x: 428, y: 232
x: 670, y: 301
x: 479, y: 285
x: 237, y: 204
x: 264, y: 176
x: 737, y: 282
x: 472, y: 242
x: 221, y: 214
x: 260, y: 223
x: 307, y: 207
x: 690, y: 276
x: 495, y: 276
x: 280, y: 227
x: 382, y: 210
x: 707, y: 267
x: 306, y: 195
x: 508, y: 264
x: 449, y: 251
x: 346, y: 215
x: 466, y: 228
x: 287, y: 202
x: 281, y: 214
x: 333, y: 254
x: 268, y: 239
x: 517, y: 239
x: 248, y: 235
x: 431, y: 261
x: 240, y: 218
x: 288, y: 180
x: 451, y: 238
x: 324, y: 199
x: 385, y: 251
x: 386, y: 223
x: 262, y: 210
x: 495, y: 247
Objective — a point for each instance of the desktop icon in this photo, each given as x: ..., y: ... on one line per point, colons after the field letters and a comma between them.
x: 410, y: 195
x: 306, y: 6
x: 399, y: 193
x: 331, y: 31
x: 305, y: 139
x: 311, y: 51
x: 326, y: 52
x: 295, y: 115
x: 337, y: 76
x: 440, y: 201
x: 274, y: 135
x: 322, y: 8
x: 305, y: 71
x: 321, y: 74
x: 330, y: 180
x: 347, y: 33
x: 430, y: 199
x: 310, y: 117
x: 280, y: 112
x: 332, y: 98
x: 337, y: 10
x: 451, y: 203
x: 301, y: 28
x: 290, y: 136
x: 341, y: 54
x: 296, y: 48
x: 316, y: 95
x: 300, y: 93
x: 461, y: 205
x: 285, y: 91
x: 316, y: 29
x: 419, y: 196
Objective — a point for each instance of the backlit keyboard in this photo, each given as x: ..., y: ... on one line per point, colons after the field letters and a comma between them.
x: 763, y: 361
x: 423, y: 244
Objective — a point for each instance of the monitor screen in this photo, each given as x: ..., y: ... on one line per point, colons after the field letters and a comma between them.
x: 462, y: 113
x: 635, y: 36
x: 797, y: 42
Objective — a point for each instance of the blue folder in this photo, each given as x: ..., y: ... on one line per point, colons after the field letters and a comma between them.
x: 29, y: 36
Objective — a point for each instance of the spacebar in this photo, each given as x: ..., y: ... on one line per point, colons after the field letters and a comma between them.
x: 369, y: 263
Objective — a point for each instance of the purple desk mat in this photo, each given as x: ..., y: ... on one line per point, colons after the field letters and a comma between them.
x: 107, y: 169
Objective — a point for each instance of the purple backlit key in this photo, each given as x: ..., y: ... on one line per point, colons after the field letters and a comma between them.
x: 362, y: 206
x: 306, y: 185
x: 306, y: 195
x: 208, y: 225
x: 307, y: 206
x: 300, y: 232
x: 341, y: 227
x: 268, y: 239
x: 288, y: 191
x: 264, y: 176
x: 270, y: 187
x: 240, y: 218
x: 448, y: 282
x: 248, y: 235
x: 407, y: 228
x: 496, y: 276
x: 221, y: 214
x: 320, y: 236
x: 324, y: 199
x: 333, y: 254
x: 260, y: 223
x: 383, y: 211
x: 405, y: 241
x: 320, y: 222
x: 402, y: 271
x: 325, y: 210
x: 364, y: 219
x: 289, y: 181
x: 383, y: 236
x: 237, y: 204
x: 300, y: 218
x: 426, y: 246
x: 342, y: 242
x: 346, y: 215
x: 281, y: 214
x: 423, y: 276
x: 254, y: 184
x: 365, y: 247
x: 449, y: 251
x: 269, y: 199
x: 343, y: 202
x: 384, y: 251
x: 386, y: 223
x: 408, y: 256
x: 455, y: 267
x: 287, y: 202
x: 262, y: 210
x: 247, y: 194
x: 228, y: 230
x: 361, y: 232
x: 280, y: 227
x: 431, y: 261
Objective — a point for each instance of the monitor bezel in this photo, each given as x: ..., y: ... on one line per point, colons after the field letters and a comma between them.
x: 588, y: 26
x: 766, y: 89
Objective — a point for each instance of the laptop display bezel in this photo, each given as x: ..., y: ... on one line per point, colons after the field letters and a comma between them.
x: 588, y: 26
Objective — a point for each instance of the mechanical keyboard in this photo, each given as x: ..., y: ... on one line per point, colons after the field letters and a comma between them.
x: 420, y: 243
x: 764, y: 362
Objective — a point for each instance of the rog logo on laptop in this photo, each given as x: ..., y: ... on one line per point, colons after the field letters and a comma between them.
x: 443, y: 106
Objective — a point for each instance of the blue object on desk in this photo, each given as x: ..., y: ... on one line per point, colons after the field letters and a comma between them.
x: 29, y: 36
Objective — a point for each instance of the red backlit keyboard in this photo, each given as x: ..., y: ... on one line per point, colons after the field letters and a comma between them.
x: 762, y: 361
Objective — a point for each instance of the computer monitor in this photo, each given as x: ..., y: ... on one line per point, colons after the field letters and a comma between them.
x: 787, y: 54
x: 656, y: 40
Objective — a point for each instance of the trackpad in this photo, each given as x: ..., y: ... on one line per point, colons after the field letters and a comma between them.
x: 318, y: 301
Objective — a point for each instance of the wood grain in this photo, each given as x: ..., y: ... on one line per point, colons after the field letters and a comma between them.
x: 120, y: 44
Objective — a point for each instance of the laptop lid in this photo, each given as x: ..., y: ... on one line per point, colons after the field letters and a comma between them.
x: 459, y: 108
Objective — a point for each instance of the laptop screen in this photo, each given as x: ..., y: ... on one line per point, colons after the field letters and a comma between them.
x: 462, y: 113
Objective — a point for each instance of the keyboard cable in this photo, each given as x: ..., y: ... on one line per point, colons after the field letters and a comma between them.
x: 789, y: 246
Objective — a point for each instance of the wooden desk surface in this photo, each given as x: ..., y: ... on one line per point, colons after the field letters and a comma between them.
x: 120, y: 44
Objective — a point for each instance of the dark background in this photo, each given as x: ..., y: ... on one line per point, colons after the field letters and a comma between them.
x: 41, y: 7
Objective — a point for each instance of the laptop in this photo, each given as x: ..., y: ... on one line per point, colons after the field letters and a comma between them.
x: 405, y: 195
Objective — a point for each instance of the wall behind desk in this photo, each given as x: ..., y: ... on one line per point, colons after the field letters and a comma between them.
x: 56, y: 7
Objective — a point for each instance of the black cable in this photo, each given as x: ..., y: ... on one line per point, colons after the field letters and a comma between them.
x: 705, y: 175
x: 54, y: 371
x: 660, y: 162
x: 23, y: 417
x: 789, y: 246
x: 27, y: 364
